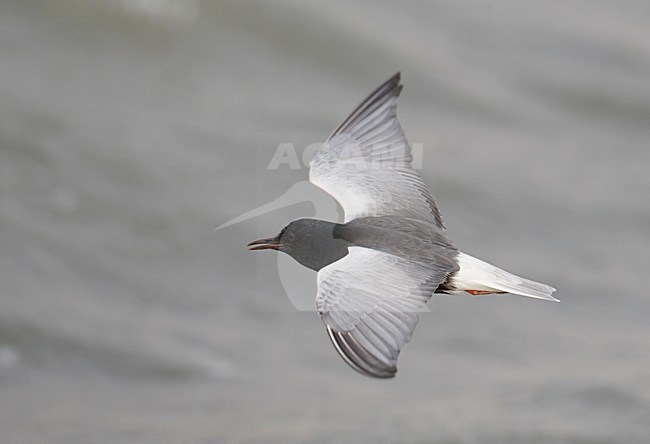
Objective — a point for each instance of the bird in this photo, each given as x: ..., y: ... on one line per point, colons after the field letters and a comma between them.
x: 377, y: 269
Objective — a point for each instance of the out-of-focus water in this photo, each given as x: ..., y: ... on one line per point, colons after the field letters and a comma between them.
x: 129, y: 130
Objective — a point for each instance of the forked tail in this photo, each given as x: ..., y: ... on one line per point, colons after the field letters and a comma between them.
x: 478, y: 277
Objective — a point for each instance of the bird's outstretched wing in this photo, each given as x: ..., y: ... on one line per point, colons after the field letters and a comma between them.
x: 370, y: 303
x: 366, y: 164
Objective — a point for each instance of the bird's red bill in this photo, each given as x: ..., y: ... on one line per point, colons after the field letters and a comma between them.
x: 265, y: 244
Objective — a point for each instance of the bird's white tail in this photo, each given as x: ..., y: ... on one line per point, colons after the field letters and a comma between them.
x: 478, y: 277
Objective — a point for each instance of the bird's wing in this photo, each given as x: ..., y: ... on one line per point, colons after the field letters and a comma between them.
x: 370, y: 303
x: 366, y: 164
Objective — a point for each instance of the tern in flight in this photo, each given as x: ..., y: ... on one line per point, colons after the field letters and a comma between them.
x: 377, y: 270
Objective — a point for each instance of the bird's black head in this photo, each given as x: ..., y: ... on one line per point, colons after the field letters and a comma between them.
x: 309, y: 241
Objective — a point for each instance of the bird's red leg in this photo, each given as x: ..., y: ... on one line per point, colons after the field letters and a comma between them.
x: 482, y: 292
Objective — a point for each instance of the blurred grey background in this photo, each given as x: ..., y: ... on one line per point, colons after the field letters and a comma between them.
x: 130, y: 129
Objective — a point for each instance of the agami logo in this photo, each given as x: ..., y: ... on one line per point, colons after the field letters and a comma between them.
x: 298, y: 282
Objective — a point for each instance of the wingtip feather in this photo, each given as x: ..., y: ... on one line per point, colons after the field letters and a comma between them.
x: 357, y: 357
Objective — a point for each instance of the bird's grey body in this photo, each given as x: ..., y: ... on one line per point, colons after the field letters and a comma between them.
x: 317, y: 243
x: 408, y: 238
x: 377, y: 270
